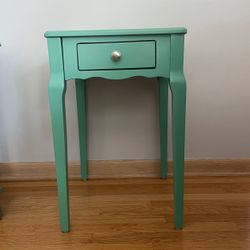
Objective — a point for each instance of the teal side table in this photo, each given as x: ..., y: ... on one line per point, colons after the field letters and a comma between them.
x: 117, y: 54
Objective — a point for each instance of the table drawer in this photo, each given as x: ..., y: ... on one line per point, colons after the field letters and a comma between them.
x: 116, y: 55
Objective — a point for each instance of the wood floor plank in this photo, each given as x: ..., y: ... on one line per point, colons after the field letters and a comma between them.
x: 127, y: 214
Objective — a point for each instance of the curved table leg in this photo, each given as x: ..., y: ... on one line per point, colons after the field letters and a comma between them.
x: 57, y: 108
x: 163, y: 82
x: 57, y: 89
x: 178, y: 89
x: 82, y: 125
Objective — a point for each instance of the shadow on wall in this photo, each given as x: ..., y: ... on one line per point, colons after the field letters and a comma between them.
x: 123, y: 118
x: 24, y: 113
x: 34, y: 116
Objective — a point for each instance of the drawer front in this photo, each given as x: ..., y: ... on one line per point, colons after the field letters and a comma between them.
x: 116, y: 55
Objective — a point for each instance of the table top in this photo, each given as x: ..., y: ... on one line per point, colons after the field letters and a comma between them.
x: 118, y: 32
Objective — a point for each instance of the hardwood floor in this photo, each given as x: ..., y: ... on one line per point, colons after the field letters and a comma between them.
x: 127, y: 215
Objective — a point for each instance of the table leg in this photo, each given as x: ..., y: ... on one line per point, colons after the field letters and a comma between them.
x: 82, y: 125
x: 163, y: 82
x: 178, y: 88
x: 57, y: 88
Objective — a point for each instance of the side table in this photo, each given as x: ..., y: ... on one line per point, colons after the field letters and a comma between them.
x: 117, y: 54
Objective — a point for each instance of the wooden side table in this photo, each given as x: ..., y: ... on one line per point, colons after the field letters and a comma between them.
x: 117, y: 54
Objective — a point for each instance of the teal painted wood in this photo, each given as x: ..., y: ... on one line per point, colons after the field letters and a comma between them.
x: 57, y: 88
x: 89, y: 52
x: 64, y: 64
x: 119, y: 32
x: 82, y: 125
x: 178, y: 88
x: 163, y: 86
x: 71, y: 57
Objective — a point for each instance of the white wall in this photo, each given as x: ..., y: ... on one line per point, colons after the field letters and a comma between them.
x: 123, y: 116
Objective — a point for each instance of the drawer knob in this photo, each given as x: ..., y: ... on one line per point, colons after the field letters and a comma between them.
x: 116, y: 56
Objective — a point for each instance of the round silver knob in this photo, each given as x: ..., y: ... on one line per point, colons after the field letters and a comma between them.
x: 116, y: 56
